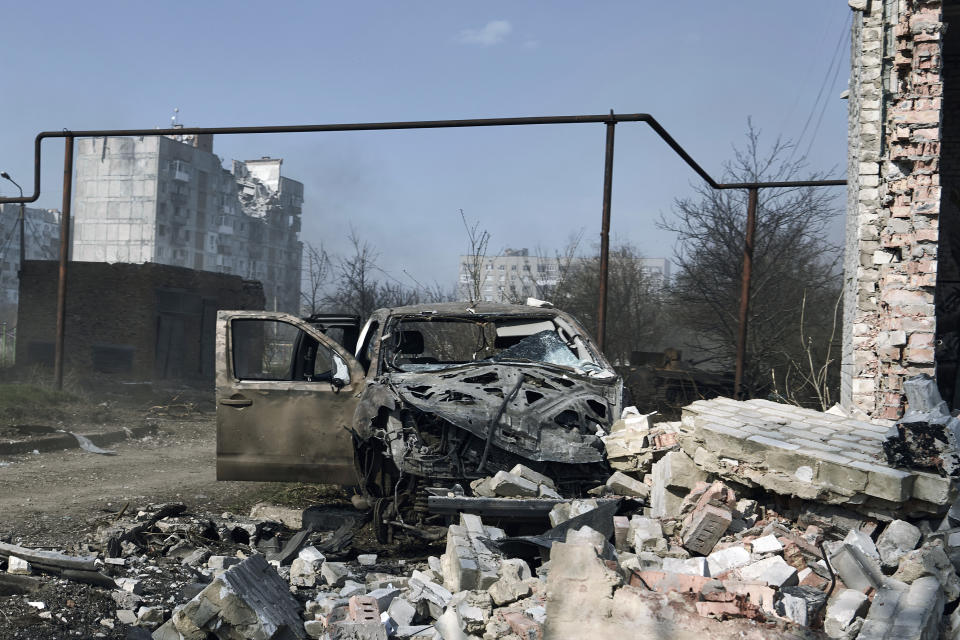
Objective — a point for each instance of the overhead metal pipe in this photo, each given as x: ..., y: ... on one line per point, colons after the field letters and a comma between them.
x: 610, y: 120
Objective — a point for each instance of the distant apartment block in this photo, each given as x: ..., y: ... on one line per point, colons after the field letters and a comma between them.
x: 41, y: 240
x: 168, y: 200
x: 515, y: 275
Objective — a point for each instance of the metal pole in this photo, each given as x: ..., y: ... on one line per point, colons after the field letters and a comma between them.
x: 738, y: 391
x: 23, y: 242
x: 605, y: 235
x: 64, y: 256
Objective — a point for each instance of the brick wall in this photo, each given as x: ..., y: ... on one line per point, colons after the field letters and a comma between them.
x: 137, y: 321
x: 896, y: 92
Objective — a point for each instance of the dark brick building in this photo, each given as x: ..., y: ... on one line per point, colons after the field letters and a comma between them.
x: 136, y: 321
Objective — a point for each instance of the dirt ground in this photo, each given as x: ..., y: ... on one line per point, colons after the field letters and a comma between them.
x: 51, y: 498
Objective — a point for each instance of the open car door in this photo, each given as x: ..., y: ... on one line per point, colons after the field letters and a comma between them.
x: 286, y: 396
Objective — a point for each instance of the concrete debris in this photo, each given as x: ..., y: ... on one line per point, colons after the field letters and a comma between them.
x: 845, y: 612
x: 728, y: 526
x: 249, y: 600
x: 927, y: 436
x: 930, y: 560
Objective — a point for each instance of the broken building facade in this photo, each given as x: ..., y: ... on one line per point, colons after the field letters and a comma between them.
x: 41, y: 242
x: 902, y: 263
x: 169, y: 200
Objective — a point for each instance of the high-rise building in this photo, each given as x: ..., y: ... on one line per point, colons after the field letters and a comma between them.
x: 515, y: 275
x: 41, y: 240
x: 169, y: 200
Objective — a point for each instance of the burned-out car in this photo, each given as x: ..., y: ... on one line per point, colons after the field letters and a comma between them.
x: 432, y: 395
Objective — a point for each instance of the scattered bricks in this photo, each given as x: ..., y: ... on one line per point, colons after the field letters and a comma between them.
x: 534, y: 477
x: 726, y: 559
x: 468, y: 562
x: 334, y: 574
x: 863, y: 542
x: 812, y: 579
x: 646, y: 534
x: 621, y: 529
x: 510, y: 485
x: 899, y: 611
x: 719, y: 610
x: 429, y: 597
x: 623, y: 485
x: 673, y: 477
x: 801, y: 604
x: 18, y: 566
x: 363, y: 609
x: 544, y: 491
x: 511, y: 585
x: 248, y: 600
x: 760, y: 595
x: 384, y: 597
x: 843, y: 611
x: 402, y: 612
x: 707, y: 526
x: 689, y: 566
x: 930, y: 560
x: 772, y: 571
x: 563, y: 511
x: 481, y: 488
x: 352, y: 588
x: 664, y: 581
x: 896, y: 540
x: 766, y: 544
x: 524, y: 627
x: 855, y: 569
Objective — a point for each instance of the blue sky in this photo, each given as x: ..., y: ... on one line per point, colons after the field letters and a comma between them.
x: 700, y: 67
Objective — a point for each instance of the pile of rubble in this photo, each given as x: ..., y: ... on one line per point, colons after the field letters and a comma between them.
x: 743, y: 520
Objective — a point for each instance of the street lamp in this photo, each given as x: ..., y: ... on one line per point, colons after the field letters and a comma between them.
x: 23, y: 250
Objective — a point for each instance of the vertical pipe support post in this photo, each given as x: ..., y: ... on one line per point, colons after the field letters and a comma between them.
x: 64, y: 258
x: 738, y: 389
x: 605, y: 236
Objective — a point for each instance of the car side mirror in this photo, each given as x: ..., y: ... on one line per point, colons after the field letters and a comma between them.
x: 341, y: 372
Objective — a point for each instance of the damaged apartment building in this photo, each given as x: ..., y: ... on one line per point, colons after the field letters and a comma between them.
x: 41, y: 238
x: 902, y: 264
x: 168, y: 200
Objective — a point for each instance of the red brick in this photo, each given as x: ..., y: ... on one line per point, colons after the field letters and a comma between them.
x: 363, y: 609
x: 523, y: 626
x: 664, y: 582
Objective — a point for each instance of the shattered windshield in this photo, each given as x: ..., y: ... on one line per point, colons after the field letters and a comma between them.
x: 545, y: 346
x: 437, y: 343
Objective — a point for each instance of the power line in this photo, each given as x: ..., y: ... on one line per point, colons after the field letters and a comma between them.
x: 833, y: 68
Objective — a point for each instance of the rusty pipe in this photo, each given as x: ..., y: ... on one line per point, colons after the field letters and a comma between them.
x: 605, y: 235
x: 745, y: 292
x: 64, y: 258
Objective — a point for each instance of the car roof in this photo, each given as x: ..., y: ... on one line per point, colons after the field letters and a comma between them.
x: 466, y: 308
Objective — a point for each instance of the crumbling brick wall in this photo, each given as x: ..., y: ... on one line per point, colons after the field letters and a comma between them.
x: 137, y: 321
x: 892, y: 233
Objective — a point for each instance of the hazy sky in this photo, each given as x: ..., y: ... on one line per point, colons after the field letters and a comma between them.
x: 701, y: 68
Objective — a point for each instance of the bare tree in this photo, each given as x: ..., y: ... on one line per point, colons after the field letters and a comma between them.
x: 316, y: 274
x: 791, y: 256
x: 477, y: 239
x: 362, y: 286
x: 634, y: 306
x: 356, y: 290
